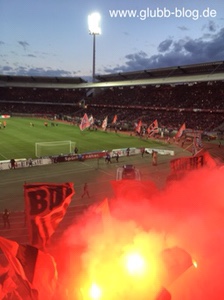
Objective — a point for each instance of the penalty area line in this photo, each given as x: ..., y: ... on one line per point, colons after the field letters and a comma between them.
x: 3, y: 156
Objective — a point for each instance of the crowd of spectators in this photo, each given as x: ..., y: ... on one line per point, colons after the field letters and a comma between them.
x: 13, y: 108
x: 195, y: 95
x: 42, y: 95
x: 199, y: 105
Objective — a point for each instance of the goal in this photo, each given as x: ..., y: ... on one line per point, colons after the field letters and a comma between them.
x: 43, y: 149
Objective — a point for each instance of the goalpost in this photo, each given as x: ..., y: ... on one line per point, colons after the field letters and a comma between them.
x: 43, y: 149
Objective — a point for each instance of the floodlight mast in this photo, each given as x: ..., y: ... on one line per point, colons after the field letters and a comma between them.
x: 94, y: 29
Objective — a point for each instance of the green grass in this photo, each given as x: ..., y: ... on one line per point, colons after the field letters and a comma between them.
x: 18, y: 138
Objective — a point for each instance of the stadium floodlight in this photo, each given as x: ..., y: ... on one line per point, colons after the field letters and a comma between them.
x: 94, y: 29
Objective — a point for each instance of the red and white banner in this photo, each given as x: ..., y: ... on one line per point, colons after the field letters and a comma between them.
x: 104, y: 125
x: 153, y: 128
x: 45, y: 207
x: 84, y: 123
x: 91, y: 120
x: 4, y: 116
x: 114, y: 119
x: 138, y: 126
x: 180, y: 131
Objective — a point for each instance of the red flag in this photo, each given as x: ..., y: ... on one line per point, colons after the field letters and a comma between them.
x: 138, y: 127
x: 46, y: 205
x: 104, y: 125
x: 180, y: 131
x: 7, y: 285
x: 10, y: 248
x: 19, y: 281
x: 104, y: 209
x: 84, y: 122
x: 14, y: 287
x: 45, y: 275
x: 34, y: 269
x: 115, y: 119
x: 153, y: 128
x: 175, y: 262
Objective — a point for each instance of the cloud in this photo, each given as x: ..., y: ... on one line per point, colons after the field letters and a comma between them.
x: 26, y: 71
x: 183, y: 28
x: 170, y: 52
x: 211, y: 26
x: 47, y: 72
x: 173, y: 53
x: 135, y: 61
x: 5, y: 69
x: 23, y: 44
x: 165, y: 45
x: 31, y: 55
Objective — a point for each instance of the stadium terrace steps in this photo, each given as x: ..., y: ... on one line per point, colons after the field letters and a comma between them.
x: 19, y: 233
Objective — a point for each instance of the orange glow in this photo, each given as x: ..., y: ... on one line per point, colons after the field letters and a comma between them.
x: 117, y: 275
x: 195, y: 264
x: 95, y: 292
x: 135, y: 264
x: 138, y: 255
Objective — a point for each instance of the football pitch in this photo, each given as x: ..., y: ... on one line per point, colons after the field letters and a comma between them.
x: 18, y: 140
x: 19, y: 137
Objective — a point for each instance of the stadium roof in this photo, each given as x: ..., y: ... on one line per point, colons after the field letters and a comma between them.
x: 213, y: 71
x: 178, y: 71
x: 11, y: 80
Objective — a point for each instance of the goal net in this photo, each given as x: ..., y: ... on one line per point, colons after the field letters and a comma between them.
x: 43, y: 149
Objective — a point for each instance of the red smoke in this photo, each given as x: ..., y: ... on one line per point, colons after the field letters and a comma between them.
x: 188, y: 213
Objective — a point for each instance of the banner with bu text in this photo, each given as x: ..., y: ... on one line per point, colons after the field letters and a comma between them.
x: 45, y: 207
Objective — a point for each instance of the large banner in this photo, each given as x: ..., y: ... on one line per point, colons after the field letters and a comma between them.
x: 45, y: 207
x: 78, y: 157
x: 187, y: 163
x: 4, y: 116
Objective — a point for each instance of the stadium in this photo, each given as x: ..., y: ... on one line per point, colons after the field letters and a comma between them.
x: 150, y: 221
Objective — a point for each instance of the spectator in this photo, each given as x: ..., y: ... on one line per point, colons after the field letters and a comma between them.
x: 85, y: 191
x: 5, y: 218
x: 154, y: 158
x: 76, y: 150
x: 13, y: 163
x: 128, y: 151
